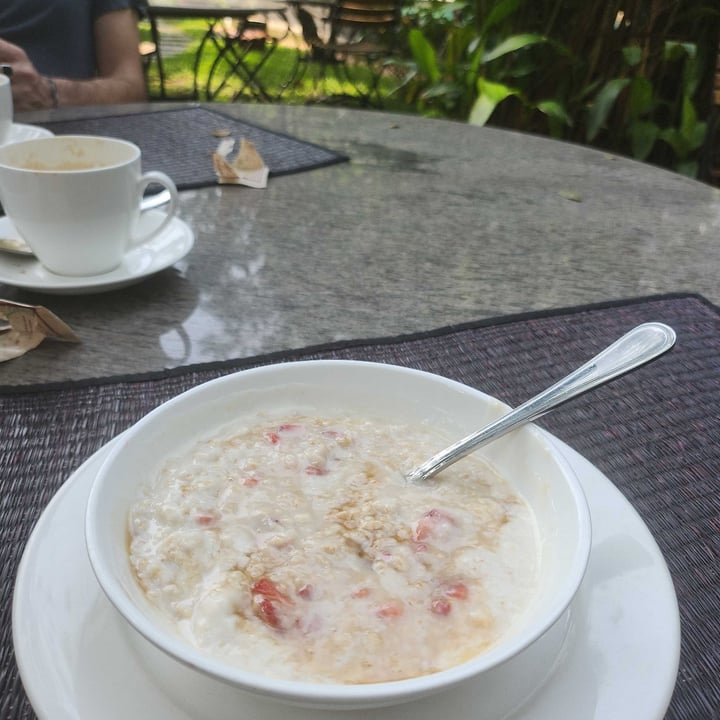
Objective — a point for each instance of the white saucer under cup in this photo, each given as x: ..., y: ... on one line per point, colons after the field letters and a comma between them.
x: 21, y: 131
x: 76, y: 200
x: 165, y: 249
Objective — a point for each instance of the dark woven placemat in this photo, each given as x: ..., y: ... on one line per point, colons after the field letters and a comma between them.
x: 655, y: 433
x: 179, y: 142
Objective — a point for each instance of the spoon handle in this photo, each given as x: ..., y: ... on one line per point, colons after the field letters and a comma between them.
x: 635, y: 348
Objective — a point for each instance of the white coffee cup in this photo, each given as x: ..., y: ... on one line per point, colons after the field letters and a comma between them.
x: 6, y: 108
x: 75, y: 199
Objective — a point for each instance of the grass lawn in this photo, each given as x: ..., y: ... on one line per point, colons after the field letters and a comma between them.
x: 283, y: 76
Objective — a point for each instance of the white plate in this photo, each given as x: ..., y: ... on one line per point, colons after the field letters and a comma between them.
x: 19, y: 132
x: 164, y: 250
x: 619, y: 662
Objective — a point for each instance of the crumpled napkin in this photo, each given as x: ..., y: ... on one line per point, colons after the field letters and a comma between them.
x: 26, y: 326
x: 246, y: 168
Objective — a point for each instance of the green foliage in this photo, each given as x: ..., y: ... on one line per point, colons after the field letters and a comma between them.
x: 463, y: 66
x: 641, y: 105
x: 634, y: 81
x: 604, y: 101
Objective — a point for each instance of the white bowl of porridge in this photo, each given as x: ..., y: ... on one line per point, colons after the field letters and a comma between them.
x: 259, y: 532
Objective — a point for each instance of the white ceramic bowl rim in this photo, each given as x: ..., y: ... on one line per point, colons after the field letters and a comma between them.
x: 293, y: 690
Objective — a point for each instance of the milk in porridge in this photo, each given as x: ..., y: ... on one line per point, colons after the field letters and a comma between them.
x: 296, y: 548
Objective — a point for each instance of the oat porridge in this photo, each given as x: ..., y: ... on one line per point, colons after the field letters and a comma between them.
x: 296, y: 548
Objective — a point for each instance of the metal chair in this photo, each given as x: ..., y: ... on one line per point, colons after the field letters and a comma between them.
x: 360, y: 37
x: 233, y: 69
x: 150, y: 52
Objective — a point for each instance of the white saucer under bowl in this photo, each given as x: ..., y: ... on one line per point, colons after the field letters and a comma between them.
x: 19, y: 132
x: 164, y: 250
x: 77, y: 658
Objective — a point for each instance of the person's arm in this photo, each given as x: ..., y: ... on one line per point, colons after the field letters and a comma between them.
x: 120, y: 77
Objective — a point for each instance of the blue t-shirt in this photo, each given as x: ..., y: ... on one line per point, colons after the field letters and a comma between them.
x: 57, y: 35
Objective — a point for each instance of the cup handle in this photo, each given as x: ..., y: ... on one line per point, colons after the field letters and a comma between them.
x: 155, y: 176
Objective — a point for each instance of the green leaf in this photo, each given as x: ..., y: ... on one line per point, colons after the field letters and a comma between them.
x: 641, y: 97
x: 642, y: 137
x: 513, y: 44
x: 555, y: 110
x: 589, y: 89
x: 688, y: 167
x: 441, y: 90
x: 692, y: 132
x: 632, y: 55
x: 673, y: 138
x: 674, y: 50
x: 688, y: 118
x: 604, y: 101
x: 696, y: 138
x: 458, y: 45
x: 498, y: 13
x: 424, y: 55
x: 692, y: 67
x: 692, y: 76
x: 490, y: 95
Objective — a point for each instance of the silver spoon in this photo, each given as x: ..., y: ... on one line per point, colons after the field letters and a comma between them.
x: 639, y: 346
x: 17, y: 246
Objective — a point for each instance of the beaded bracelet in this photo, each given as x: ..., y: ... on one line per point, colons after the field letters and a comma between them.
x: 53, y: 91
